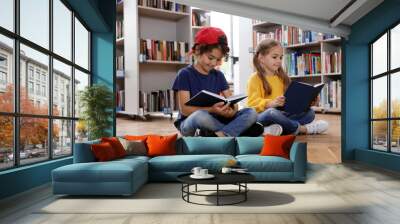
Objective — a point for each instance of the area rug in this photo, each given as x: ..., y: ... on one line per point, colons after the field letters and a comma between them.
x: 166, y: 198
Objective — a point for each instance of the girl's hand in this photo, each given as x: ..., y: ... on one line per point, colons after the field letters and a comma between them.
x: 277, y: 102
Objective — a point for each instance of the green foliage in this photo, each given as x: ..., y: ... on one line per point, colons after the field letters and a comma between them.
x: 96, y: 102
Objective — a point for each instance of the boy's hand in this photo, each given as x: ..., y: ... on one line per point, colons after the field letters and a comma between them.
x: 277, y: 102
x: 316, y: 101
x: 229, y: 112
x: 218, y: 108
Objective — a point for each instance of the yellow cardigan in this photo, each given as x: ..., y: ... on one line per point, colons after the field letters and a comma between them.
x: 257, y: 98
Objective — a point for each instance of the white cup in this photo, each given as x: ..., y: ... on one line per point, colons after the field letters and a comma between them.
x: 203, y: 172
x: 196, y: 171
x: 226, y: 170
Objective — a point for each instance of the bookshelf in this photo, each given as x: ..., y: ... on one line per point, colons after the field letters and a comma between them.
x: 150, y: 51
x: 310, y: 57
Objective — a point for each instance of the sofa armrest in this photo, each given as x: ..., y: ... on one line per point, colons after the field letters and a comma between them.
x: 298, y: 155
x: 83, y: 152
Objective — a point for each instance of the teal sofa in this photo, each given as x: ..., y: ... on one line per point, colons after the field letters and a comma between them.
x: 125, y: 176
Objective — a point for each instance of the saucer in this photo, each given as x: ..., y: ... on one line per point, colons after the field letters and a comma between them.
x: 208, y: 176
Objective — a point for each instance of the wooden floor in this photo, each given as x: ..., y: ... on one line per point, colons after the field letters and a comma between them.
x: 321, y: 148
x: 378, y: 191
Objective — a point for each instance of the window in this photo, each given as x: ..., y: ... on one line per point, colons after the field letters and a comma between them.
x: 45, y: 131
x: 30, y: 73
x: 7, y: 14
x: 30, y: 87
x: 6, y: 73
x: 3, y: 71
x: 44, y: 91
x: 35, y: 22
x: 38, y: 89
x: 37, y: 74
x: 3, y: 78
x: 62, y: 74
x: 62, y: 29
x: 385, y: 97
x: 81, y: 45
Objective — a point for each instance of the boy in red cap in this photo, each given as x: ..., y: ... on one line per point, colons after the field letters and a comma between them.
x: 209, y: 49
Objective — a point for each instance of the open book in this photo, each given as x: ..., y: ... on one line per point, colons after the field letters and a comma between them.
x: 299, y: 97
x: 206, y: 99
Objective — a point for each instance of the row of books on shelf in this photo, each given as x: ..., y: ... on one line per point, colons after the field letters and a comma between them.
x: 163, y: 4
x: 120, y: 28
x: 331, y: 95
x: 288, y: 35
x: 158, y: 101
x: 200, y: 19
x: 120, y: 62
x: 332, y: 62
x: 298, y: 63
x: 163, y: 50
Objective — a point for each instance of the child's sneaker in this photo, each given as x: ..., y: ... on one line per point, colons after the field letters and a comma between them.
x: 317, y: 127
x: 273, y: 129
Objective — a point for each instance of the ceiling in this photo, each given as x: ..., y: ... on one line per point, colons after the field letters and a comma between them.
x: 330, y: 16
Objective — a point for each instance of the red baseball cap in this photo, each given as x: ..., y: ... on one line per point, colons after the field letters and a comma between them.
x: 210, y: 35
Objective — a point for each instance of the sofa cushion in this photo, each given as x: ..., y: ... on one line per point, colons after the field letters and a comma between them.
x: 185, y: 163
x: 207, y: 145
x: 249, y: 145
x: 277, y: 145
x: 103, y: 151
x: 257, y: 163
x: 134, y: 147
x: 116, y: 145
x: 161, y: 145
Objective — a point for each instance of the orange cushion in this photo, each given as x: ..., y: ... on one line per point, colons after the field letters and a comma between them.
x: 116, y: 145
x: 103, y: 151
x: 136, y: 137
x: 161, y: 145
x: 277, y: 145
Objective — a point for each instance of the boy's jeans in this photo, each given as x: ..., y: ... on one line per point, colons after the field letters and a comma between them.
x: 289, y: 122
x: 203, y: 120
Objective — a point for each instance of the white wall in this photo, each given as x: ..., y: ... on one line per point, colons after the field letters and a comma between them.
x: 245, y: 29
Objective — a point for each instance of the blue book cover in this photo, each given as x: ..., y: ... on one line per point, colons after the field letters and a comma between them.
x: 299, y: 96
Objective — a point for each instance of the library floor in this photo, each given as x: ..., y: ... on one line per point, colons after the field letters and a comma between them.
x: 321, y: 148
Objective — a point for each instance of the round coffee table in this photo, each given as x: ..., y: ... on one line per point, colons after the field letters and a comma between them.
x: 238, y: 179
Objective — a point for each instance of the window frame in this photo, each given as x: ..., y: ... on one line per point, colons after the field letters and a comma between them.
x: 16, y: 114
x: 388, y: 74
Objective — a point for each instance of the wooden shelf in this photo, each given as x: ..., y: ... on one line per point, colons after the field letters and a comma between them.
x: 314, y: 75
x: 164, y: 62
x: 264, y: 26
x: 333, y: 74
x: 335, y: 40
x: 306, y: 76
x: 311, y: 44
x: 199, y: 10
x: 161, y: 13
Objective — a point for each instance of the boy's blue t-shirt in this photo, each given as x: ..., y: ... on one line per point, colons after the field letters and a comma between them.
x: 189, y: 79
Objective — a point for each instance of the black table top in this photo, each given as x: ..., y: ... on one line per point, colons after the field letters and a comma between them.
x: 220, y: 178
